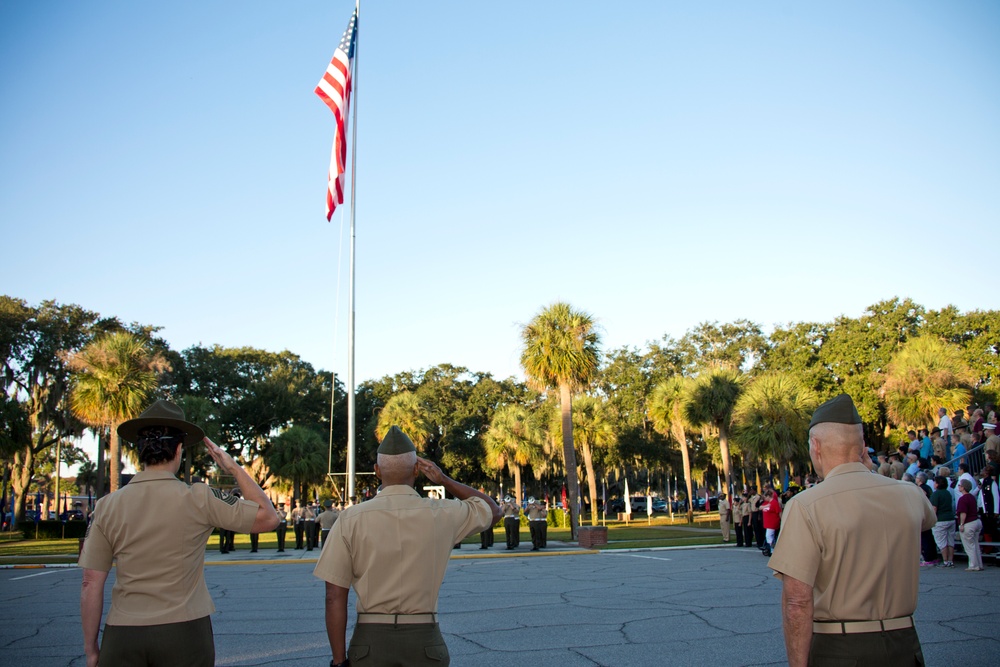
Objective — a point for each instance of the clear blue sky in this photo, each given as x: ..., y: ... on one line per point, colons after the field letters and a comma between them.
x: 657, y: 164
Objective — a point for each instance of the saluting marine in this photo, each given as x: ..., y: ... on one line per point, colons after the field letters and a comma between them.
x: 326, y: 520
x: 282, y: 528
x: 299, y: 524
x: 394, y: 550
x: 511, y: 522
x: 538, y: 515
x: 309, y: 516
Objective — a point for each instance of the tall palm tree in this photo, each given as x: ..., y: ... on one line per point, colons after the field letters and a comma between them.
x: 771, y: 417
x: 406, y: 411
x: 561, y: 352
x: 298, y: 455
x: 593, y: 429
x: 86, y: 480
x: 710, y: 402
x: 666, y: 411
x: 926, y: 374
x: 113, y: 377
x: 512, y: 441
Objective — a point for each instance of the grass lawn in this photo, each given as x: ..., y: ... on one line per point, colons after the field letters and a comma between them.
x: 660, y: 532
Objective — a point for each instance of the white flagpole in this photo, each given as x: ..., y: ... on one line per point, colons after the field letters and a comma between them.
x: 351, y: 416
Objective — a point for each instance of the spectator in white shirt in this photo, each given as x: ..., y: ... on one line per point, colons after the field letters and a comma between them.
x: 944, y: 423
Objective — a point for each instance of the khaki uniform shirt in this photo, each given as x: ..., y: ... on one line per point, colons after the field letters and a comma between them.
x: 327, y: 519
x: 537, y: 512
x: 394, y: 548
x: 738, y: 511
x: 308, y: 513
x: 510, y: 510
x: 755, y: 503
x: 724, y: 509
x: 155, y: 528
x: 860, y: 570
x: 282, y: 515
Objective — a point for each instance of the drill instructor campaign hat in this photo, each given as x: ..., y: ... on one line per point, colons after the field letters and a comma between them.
x: 161, y: 413
x: 838, y: 410
x: 396, y: 442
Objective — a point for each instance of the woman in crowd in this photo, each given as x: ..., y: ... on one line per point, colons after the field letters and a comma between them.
x: 969, y: 526
x: 944, y: 529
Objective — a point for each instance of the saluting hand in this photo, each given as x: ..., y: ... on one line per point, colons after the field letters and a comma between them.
x: 222, y: 458
x: 430, y: 470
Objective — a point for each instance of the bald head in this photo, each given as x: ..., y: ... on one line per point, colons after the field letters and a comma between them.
x: 832, y: 444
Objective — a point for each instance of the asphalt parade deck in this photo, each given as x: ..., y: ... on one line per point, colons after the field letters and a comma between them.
x: 703, y: 606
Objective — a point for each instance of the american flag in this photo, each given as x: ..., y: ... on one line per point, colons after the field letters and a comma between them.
x: 335, y: 91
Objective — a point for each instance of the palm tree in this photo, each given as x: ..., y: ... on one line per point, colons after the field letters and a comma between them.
x: 771, y: 417
x: 926, y: 374
x: 512, y: 441
x: 297, y: 454
x: 561, y: 352
x: 710, y: 402
x: 113, y: 377
x: 666, y: 411
x: 592, y: 428
x: 406, y: 411
x: 86, y: 480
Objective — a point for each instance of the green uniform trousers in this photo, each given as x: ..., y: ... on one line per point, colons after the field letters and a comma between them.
x: 867, y: 649
x: 388, y: 645
x: 189, y: 643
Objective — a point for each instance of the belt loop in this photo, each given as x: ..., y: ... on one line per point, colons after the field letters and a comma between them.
x: 843, y: 628
x: 395, y: 620
x: 882, y: 623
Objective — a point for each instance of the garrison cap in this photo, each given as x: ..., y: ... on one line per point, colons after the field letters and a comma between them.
x: 838, y: 410
x: 396, y: 442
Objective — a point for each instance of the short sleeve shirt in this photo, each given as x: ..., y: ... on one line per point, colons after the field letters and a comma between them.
x: 536, y: 512
x: 945, y: 425
x: 327, y: 519
x: 859, y: 569
x: 943, y: 504
x: 155, y: 529
x: 394, y: 549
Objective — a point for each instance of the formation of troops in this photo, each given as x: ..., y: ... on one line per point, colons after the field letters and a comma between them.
x: 312, y: 522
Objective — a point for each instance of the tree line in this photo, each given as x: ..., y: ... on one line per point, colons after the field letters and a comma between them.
x: 723, y: 400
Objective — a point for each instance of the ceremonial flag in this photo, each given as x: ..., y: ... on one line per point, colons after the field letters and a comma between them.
x: 335, y: 91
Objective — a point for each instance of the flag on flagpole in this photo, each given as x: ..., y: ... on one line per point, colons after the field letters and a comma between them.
x: 335, y: 91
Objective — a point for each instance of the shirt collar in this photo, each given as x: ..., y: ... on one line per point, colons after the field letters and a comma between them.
x: 151, y: 475
x: 398, y: 490
x: 845, y: 468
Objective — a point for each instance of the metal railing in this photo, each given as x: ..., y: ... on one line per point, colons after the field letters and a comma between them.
x: 975, y: 458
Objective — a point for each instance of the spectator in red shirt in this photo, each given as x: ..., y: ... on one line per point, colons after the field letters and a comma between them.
x: 771, y: 509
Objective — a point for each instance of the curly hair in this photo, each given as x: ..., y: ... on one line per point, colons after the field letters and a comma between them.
x: 158, y: 444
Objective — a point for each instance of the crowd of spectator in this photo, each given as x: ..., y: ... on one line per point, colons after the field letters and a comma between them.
x: 955, y: 464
